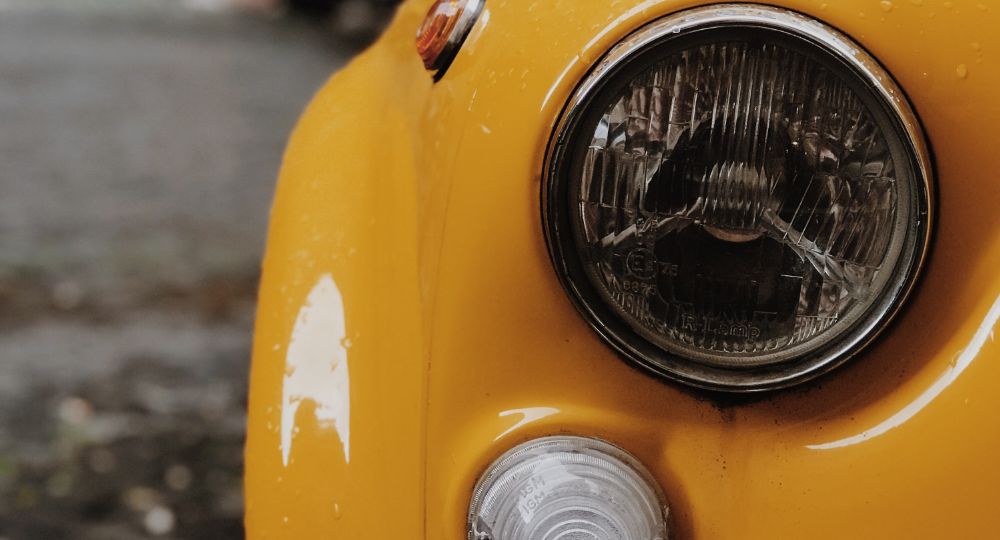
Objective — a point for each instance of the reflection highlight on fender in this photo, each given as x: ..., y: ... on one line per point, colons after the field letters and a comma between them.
x: 316, y: 367
x: 982, y: 335
x: 528, y: 415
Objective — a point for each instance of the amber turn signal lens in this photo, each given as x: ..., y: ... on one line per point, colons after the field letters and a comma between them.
x: 443, y: 31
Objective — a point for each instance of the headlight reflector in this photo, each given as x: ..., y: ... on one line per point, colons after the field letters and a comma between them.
x: 737, y: 197
x: 567, y: 487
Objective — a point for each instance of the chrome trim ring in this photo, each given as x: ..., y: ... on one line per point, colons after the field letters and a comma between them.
x: 836, y: 48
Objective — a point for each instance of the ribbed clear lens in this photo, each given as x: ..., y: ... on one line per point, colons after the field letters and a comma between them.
x: 738, y: 203
x: 567, y: 488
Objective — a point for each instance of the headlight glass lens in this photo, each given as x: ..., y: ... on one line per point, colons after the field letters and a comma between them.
x: 738, y: 199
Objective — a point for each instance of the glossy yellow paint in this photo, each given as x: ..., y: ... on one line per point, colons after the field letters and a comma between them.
x: 420, y: 203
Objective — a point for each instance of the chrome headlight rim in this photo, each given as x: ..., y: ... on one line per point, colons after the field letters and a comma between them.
x: 829, y: 47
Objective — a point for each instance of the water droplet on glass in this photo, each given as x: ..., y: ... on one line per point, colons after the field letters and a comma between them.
x: 962, y: 71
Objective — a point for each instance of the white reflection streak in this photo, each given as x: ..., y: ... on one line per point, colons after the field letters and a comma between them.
x: 316, y: 366
x: 984, y: 333
x: 529, y: 414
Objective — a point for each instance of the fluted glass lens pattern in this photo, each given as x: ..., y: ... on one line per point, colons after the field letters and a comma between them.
x: 736, y: 201
x: 567, y: 488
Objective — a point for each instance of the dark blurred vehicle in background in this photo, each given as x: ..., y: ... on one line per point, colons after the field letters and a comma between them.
x: 325, y: 7
x: 357, y: 20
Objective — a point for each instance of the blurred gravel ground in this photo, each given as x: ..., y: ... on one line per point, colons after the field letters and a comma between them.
x: 139, y: 142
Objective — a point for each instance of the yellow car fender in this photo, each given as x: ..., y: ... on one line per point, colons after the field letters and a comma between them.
x: 411, y: 327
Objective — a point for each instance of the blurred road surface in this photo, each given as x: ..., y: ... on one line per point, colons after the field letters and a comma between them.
x: 138, y: 149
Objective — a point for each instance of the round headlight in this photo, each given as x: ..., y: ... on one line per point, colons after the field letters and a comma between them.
x: 737, y: 197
